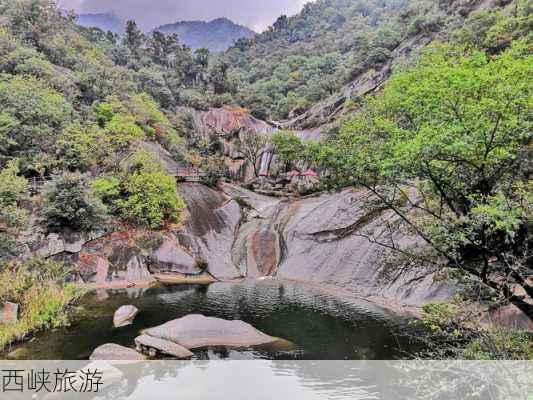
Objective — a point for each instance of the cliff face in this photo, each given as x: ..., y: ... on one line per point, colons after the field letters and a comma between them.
x: 226, y: 125
x: 238, y: 233
x: 322, y: 240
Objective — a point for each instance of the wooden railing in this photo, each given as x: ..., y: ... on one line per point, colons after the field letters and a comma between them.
x: 190, y: 174
x: 35, y: 184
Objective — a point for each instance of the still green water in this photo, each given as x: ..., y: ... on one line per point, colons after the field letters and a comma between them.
x: 321, y: 326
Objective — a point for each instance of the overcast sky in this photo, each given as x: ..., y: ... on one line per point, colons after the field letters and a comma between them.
x: 256, y: 14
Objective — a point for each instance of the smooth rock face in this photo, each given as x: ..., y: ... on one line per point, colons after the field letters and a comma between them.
x: 136, y: 270
x: 210, y: 227
x: 148, y: 343
x: 197, y: 331
x: 9, y: 314
x: 115, y: 352
x: 124, y: 316
x: 170, y: 257
x: 321, y: 240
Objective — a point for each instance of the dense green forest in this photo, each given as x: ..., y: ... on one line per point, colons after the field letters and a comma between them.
x: 303, y: 59
x: 453, y: 124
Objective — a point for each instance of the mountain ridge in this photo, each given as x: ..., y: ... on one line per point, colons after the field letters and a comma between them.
x: 216, y: 35
x: 105, y: 21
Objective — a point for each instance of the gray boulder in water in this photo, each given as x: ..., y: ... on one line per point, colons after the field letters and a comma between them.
x: 198, y: 331
x: 124, y: 316
x: 115, y: 352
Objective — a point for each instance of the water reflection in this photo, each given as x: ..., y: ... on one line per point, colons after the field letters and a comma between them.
x: 297, y: 380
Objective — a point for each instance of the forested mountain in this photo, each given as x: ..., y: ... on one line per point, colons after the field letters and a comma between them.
x: 104, y: 21
x: 216, y: 35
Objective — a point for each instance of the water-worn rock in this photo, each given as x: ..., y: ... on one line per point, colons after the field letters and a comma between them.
x: 323, y: 240
x: 9, y: 313
x: 136, y: 270
x: 124, y: 316
x: 38, y: 243
x: 197, y: 331
x: 171, y: 257
x: 152, y: 345
x: 115, y: 352
x: 210, y: 227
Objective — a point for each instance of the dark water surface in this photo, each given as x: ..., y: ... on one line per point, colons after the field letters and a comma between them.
x: 320, y: 325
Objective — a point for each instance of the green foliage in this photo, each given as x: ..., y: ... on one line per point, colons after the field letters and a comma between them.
x: 103, y: 113
x: 68, y: 202
x: 13, y: 189
x: 495, y: 30
x: 39, y: 287
x: 34, y: 111
x: 107, y: 188
x: 78, y: 147
x: 150, y: 199
x: 456, y: 130
x: 454, y: 331
x: 122, y: 130
x: 306, y: 58
x: 287, y: 147
x: 143, y: 194
x: 251, y: 146
x: 142, y: 161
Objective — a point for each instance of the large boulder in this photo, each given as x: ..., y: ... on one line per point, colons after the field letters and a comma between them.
x: 115, y: 352
x: 198, y: 331
x: 124, y: 316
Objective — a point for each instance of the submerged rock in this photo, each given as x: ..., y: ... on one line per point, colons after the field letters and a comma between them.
x: 198, y: 331
x: 115, y: 352
x: 124, y: 316
x: 153, y: 345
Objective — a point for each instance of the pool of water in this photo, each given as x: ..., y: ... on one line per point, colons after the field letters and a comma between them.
x: 321, y: 325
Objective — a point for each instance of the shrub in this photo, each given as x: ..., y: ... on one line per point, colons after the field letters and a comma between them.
x: 108, y: 189
x: 70, y: 202
x: 453, y: 332
x: 103, y: 113
x: 77, y: 147
x: 288, y: 148
x: 151, y: 199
